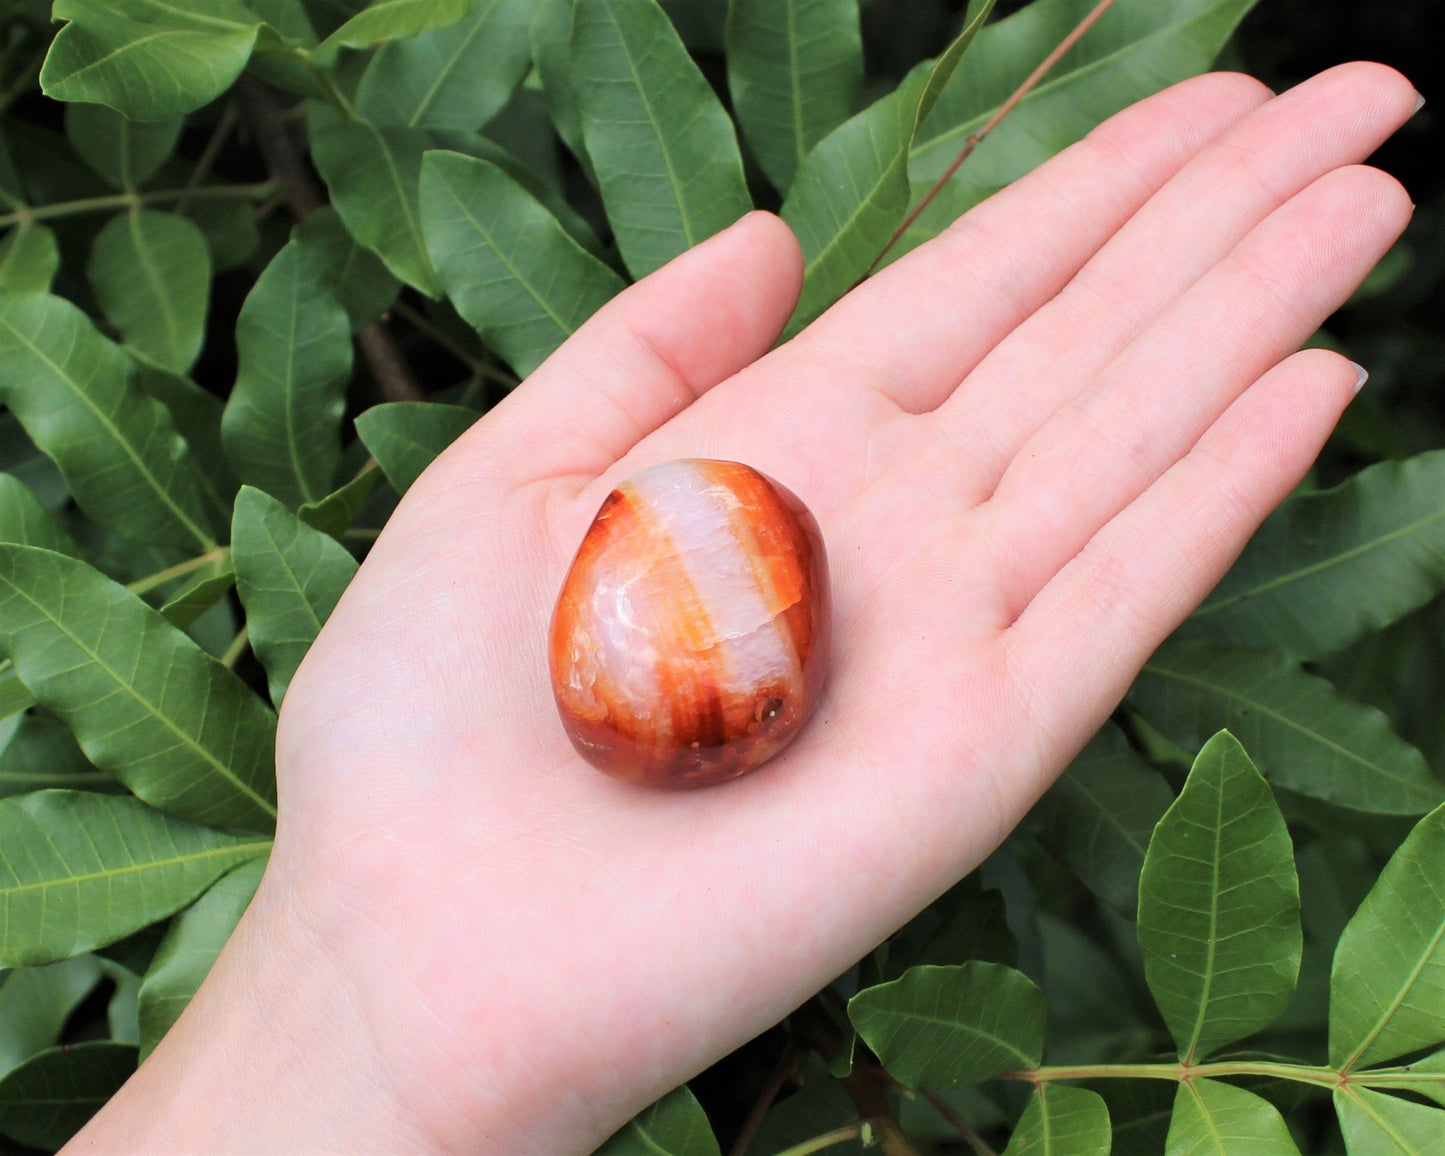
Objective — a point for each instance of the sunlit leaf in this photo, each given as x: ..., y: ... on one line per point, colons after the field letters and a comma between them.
x: 290, y: 578
x: 1303, y: 733
x: 794, y: 68
x: 1217, y: 1119
x: 144, y: 701
x: 151, y: 273
x: 457, y: 77
x: 405, y: 436
x: 148, y: 59
x: 947, y: 1027
x: 80, y: 869
x: 663, y: 148
x: 674, y: 1126
x: 1219, y: 905
x: 125, y: 153
x: 119, y: 451
x: 507, y: 265
x: 1327, y: 568
x: 282, y: 425
x: 190, y: 947
x: 1387, y: 987
x: 46, y: 1100
x: 1062, y: 1121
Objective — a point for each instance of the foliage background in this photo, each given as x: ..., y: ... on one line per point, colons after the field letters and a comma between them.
x: 1038, y: 913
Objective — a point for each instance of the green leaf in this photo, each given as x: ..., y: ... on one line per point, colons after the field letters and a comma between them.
x: 81, y: 869
x: 1062, y: 1121
x: 290, y: 578
x: 1134, y: 50
x: 1101, y: 813
x: 674, y: 1126
x: 199, y: 595
x: 35, y: 1002
x: 405, y: 436
x: 851, y: 192
x: 190, y: 947
x: 29, y: 259
x: 151, y: 273
x: 361, y: 282
x: 1219, y: 905
x: 196, y: 414
x: 665, y: 152
x: 794, y: 69
x: 1329, y: 567
x: 48, y: 1099
x: 1215, y: 1119
x: 229, y: 227
x: 25, y: 519
x: 148, y: 59
x: 1306, y: 736
x: 372, y: 172
x: 510, y: 269
x: 818, y: 1106
x: 1375, y: 1124
x: 1424, y: 1077
x: 42, y: 754
x: 124, y: 153
x: 964, y: 923
x: 334, y: 513
x: 15, y: 696
x: 457, y: 77
x: 120, y: 454
x: 144, y: 701
x: 385, y: 20
x: 947, y: 1027
x: 1387, y: 987
x: 282, y: 425
x: 551, y: 36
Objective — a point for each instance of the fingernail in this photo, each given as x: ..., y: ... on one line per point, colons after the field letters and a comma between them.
x: 1419, y: 104
x: 1362, y: 375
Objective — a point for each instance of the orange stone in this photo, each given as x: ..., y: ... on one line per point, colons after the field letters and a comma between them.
x: 690, y: 638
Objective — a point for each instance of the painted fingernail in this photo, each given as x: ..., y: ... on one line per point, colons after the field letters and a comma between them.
x: 1419, y: 104
x: 1362, y: 375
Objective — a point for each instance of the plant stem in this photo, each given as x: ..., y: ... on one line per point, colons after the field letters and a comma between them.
x: 29, y: 216
x: 975, y: 139
x: 161, y: 577
x: 787, y: 1062
x: 237, y: 648
x: 963, y: 1127
x: 218, y: 138
x: 826, y: 1140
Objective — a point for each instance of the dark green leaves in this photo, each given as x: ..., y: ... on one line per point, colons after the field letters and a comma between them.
x: 1219, y: 905
x: 290, y: 577
x: 283, y: 420
x: 794, y: 67
x: 1387, y: 988
x: 118, y: 450
x: 1305, y: 735
x: 79, y: 870
x: 49, y: 1098
x: 152, y: 276
x: 123, y: 152
x: 148, y: 59
x: 947, y: 1027
x: 145, y: 702
x: 1327, y: 568
x: 509, y: 268
x: 674, y: 1126
x: 405, y: 436
x: 665, y: 152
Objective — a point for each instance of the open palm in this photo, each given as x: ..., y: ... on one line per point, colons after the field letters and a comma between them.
x: 1032, y: 445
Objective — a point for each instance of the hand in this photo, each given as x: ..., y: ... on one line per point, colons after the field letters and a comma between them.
x: 1033, y: 445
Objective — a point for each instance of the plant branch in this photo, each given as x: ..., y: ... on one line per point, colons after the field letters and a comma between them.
x: 826, y: 1140
x: 303, y: 196
x: 1178, y: 1072
x: 963, y: 1127
x: 428, y: 328
x: 179, y: 570
x: 256, y: 192
x: 217, y: 140
x: 787, y: 1063
x: 977, y: 138
x: 237, y: 648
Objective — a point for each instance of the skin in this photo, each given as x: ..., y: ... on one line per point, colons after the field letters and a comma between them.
x: 1033, y: 445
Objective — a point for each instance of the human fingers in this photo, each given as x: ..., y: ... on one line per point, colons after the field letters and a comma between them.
x: 923, y: 322
x: 648, y: 354
x: 1158, y: 397
x: 1334, y: 119
x: 1077, y: 646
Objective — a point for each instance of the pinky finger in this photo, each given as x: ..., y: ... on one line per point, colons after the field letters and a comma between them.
x: 1094, y: 625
